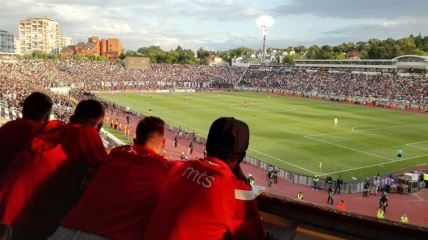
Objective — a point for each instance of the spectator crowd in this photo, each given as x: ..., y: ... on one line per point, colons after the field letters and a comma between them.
x: 384, y: 90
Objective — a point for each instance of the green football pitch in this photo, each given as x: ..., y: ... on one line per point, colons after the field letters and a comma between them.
x: 299, y: 134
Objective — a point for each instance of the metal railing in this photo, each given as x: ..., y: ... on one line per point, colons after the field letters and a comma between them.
x: 347, y: 187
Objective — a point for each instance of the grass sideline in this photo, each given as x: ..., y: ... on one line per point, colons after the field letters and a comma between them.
x: 299, y: 134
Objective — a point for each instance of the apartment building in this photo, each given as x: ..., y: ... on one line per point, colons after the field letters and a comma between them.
x: 39, y: 34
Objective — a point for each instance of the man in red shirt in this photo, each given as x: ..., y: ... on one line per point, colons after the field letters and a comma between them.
x: 46, y: 179
x: 14, y: 135
x: 209, y: 199
x: 120, y: 200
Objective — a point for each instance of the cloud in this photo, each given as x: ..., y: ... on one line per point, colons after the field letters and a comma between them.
x: 222, y: 24
x: 354, y: 8
x: 381, y: 28
x: 218, y: 10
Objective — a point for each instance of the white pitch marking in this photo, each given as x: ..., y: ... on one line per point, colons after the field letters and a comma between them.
x: 291, y: 164
x: 345, y: 147
x: 354, y: 127
x: 416, y: 142
x: 374, y: 165
x: 421, y: 148
x: 368, y: 129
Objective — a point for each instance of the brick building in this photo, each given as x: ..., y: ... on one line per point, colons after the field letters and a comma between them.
x: 111, y: 48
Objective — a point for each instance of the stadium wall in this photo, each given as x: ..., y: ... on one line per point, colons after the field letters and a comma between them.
x: 287, y: 218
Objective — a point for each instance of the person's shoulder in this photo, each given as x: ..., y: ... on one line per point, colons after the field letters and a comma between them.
x: 54, y: 125
x: 122, y: 149
x: 21, y: 123
x: 83, y: 131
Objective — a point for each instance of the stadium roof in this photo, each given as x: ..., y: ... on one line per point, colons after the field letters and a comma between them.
x: 344, y: 60
x: 417, y: 58
x: 414, y: 57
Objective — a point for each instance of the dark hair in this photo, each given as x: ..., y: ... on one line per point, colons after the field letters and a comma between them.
x: 147, y: 127
x: 228, y: 139
x: 37, y: 106
x: 88, y: 110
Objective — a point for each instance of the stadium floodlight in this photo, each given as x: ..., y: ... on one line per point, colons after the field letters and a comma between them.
x: 264, y: 22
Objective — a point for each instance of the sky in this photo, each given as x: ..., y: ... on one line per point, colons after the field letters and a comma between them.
x: 224, y: 24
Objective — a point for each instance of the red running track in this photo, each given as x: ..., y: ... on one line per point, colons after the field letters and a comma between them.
x: 415, y: 205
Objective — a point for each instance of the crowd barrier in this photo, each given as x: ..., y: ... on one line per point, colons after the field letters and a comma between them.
x: 347, y: 187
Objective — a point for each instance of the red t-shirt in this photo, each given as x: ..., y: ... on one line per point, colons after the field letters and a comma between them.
x: 45, y: 180
x: 121, y: 198
x: 14, y: 135
x: 201, y: 201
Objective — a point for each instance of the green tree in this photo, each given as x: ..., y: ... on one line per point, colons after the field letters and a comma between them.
x: 313, y: 52
x: 300, y: 49
x: 407, y: 45
x: 287, y: 59
x: 39, y: 55
x: 132, y: 53
x: 202, y: 53
x: 326, y: 52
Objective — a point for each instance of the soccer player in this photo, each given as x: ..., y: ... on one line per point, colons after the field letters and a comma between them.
x: 336, y: 121
x: 15, y: 134
x: 47, y: 177
x: 123, y: 195
x: 209, y: 198
x: 400, y: 153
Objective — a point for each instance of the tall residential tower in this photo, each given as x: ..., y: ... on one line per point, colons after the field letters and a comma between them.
x: 39, y: 34
x: 6, y: 42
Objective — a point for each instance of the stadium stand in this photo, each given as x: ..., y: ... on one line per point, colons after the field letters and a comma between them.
x: 282, y: 216
x: 384, y: 90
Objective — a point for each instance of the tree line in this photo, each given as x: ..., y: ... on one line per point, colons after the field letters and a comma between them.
x: 371, y: 49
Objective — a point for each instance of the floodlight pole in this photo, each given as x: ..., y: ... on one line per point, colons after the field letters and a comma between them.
x: 264, y: 44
